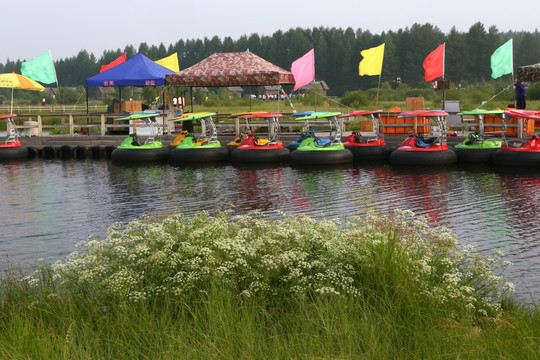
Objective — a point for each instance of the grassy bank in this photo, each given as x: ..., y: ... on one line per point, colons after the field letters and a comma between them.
x: 253, y: 287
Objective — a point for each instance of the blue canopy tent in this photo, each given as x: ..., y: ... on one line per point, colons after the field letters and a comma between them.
x: 137, y: 71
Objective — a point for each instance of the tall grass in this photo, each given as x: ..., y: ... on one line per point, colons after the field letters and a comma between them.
x: 251, y: 287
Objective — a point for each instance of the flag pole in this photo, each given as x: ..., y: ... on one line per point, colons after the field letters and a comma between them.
x: 378, y: 88
x: 56, y: 76
x: 512, y: 60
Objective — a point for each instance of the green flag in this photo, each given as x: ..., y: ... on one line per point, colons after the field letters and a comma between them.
x: 40, y: 69
x: 501, y: 60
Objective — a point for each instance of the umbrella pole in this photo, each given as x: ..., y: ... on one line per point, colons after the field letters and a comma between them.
x: 191, y: 96
x: 11, y: 111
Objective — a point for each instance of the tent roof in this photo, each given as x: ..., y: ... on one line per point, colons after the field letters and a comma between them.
x: 231, y: 69
x: 529, y: 73
x: 137, y: 71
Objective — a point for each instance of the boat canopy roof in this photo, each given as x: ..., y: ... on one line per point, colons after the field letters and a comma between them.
x: 235, y: 115
x: 7, y: 116
x: 526, y: 114
x: 481, y: 112
x: 260, y: 115
x: 362, y: 113
x: 425, y: 113
x: 193, y: 116
x: 303, y: 113
x: 319, y: 115
x: 138, y: 116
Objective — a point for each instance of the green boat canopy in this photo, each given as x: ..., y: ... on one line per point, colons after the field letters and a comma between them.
x: 322, y: 115
x: 481, y: 112
x: 138, y: 116
x: 193, y: 116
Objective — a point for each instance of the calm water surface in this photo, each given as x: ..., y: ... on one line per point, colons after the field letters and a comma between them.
x: 49, y: 206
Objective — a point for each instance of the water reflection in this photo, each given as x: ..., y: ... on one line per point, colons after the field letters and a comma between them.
x: 49, y: 206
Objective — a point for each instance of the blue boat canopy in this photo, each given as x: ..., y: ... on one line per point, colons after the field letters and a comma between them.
x: 137, y: 71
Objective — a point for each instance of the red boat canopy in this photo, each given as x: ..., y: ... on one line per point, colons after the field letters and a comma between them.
x: 231, y: 69
x: 425, y: 113
x: 526, y: 114
x: 260, y: 115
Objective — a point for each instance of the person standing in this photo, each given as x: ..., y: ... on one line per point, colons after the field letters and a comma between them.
x: 520, y: 95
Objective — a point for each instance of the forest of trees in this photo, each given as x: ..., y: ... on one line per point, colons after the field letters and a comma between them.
x: 337, y: 54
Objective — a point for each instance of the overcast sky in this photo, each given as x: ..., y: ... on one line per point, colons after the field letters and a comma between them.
x: 65, y: 27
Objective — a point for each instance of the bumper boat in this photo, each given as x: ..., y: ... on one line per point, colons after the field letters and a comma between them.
x: 417, y: 150
x: 131, y: 150
x: 306, y: 132
x: 313, y: 152
x: 254, y: 149
x: 206, y: 148
x: 524, y: 152
x: 477, y: 148
x: 369, y: 147
x: 12, y: 149
x: 243, y: 130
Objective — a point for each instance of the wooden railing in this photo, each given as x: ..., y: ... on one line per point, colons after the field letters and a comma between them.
x: 17, y: 109
x: 72, y: 124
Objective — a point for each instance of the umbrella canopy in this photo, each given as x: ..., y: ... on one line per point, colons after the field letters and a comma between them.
x: 17, y: 81
x: 231, y: 69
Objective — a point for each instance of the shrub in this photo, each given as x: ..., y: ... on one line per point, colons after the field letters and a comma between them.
x: 395, y: 259
x: 533, y: 91
x: 355, y: 99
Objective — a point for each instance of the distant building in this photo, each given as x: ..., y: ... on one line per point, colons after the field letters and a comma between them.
x: 236, y: 90
x: 268, y: 91
x: 323, y: 87
x: 51, y: 92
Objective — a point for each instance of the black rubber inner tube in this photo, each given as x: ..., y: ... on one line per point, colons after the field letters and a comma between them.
x: 517, y: 158
x: 14, y: 153
x: 368, y: 153
x: 199, y: 155
x: 484, y: 156
x: 140, y: 155
x: 328, y: 157
x: 432, y: 158
x: 262, y: 156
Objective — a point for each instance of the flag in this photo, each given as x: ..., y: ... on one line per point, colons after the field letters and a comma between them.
x: 40, y: 69
x: 434, y: 63
x: 501, y: 60
x: 117, y: 61
x: 170, y: 62
x: 372, y: 61
x: 303, y: 69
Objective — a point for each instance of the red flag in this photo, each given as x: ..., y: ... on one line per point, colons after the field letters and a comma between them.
x: 434, y: 63
x: 303, y: 70
x: 118, y: 61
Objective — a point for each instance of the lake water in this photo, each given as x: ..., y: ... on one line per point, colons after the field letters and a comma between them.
x: 49, y: 206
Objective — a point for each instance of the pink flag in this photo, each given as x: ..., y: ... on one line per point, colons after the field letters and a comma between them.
x: 121, y: 59
x: 303, y: 70
x: 434, y: 64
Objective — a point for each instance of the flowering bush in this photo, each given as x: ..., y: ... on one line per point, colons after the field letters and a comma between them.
x: 286, y: 258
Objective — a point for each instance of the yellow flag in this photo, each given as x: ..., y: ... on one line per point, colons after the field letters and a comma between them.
x: 371, y: 64
x: 170, y: 62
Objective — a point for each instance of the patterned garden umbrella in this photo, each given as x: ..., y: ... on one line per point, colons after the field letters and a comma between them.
x: 17, y: 81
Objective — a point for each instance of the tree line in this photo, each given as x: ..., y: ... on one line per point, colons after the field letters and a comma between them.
x: 337, y: 54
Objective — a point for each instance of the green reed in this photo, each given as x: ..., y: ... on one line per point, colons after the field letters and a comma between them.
x: 252, y: 287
